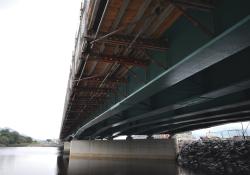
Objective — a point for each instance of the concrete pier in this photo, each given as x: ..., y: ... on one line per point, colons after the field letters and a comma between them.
x: 124, y: 149
x: 66, y: 147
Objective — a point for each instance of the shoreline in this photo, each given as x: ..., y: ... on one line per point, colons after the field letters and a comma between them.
x: 28, y: 145
x: 216, y: 156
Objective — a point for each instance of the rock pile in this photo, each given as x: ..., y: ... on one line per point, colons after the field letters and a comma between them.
x: 217, y: 157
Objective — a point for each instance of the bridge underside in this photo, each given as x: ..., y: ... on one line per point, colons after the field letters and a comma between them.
x: 200, y: 81
x: 217, y: 94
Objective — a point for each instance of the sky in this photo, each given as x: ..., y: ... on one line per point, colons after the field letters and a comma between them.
x: 222, y: 129
x: 36, y: 44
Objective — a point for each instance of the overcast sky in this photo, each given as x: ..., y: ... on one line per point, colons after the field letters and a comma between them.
x: 222, y: 129
x: 36, y: 43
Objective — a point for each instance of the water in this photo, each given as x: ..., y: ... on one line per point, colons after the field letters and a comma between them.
x: 49, y: 161
x: 28, y: 161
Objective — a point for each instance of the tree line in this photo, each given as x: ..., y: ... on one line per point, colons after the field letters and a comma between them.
x: 8, y: 137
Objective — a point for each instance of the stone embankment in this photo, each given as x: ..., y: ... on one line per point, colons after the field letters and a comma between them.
x: 217, y: 157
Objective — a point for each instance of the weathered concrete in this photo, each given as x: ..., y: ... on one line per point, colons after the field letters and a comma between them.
x: 66, y: 147
x: 124, y: 149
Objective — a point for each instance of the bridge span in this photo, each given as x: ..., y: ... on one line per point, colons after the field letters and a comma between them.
x: 146, y: 67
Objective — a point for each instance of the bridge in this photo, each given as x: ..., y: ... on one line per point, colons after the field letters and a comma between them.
x: 144, y: 67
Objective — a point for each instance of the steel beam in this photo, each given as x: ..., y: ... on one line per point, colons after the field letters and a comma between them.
x: 99, y: 90
x: 86, y: 103
x: 195, y: 4
x: 223, y: 46
x: 89, y: 95
x: 202, y: 98
x: 122, y: 10
x: 108, y: 85
x: 207, y: 124
x: 138, y: 16
x: 100, y: 79
x: 200, y: 120
x: 194, y: 21
x: 87, y: 100
x: 71, y: 111
x: 94, y: 14
x: 140, y: 43
x: 186, y: 116
x: 118, y: 59
x: 76, y: 107
x: 85, y: 111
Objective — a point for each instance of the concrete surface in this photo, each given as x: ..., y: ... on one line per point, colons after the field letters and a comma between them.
x: 124, y: 149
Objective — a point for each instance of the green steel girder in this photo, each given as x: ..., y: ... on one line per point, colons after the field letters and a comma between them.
x: 228, y: 43
x: 195, y: 118
x: 151, y: 118
x: 222, y: 85
x: 202, y: 125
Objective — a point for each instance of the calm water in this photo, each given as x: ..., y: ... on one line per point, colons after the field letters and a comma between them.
x: 49, y: 161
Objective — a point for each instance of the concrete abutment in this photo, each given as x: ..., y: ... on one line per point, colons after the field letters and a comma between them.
x: 66, y: 147
x: 124, y: 149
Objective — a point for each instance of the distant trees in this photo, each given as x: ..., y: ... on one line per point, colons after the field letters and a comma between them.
x: 12, y: 137
x: 4, y: 140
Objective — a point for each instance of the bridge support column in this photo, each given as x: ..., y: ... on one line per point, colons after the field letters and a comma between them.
x: 129, y: 137
x: 124, y: 149
x: 150, y: 137
x: 66, y: 147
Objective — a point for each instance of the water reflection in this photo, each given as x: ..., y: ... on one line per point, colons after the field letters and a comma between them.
x: 121, y: 167
x: 50, y: 161
x: 28, y: 161
x: 62, y: 163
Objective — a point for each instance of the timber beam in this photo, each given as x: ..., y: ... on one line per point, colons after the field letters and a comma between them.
x: 140, y: 43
